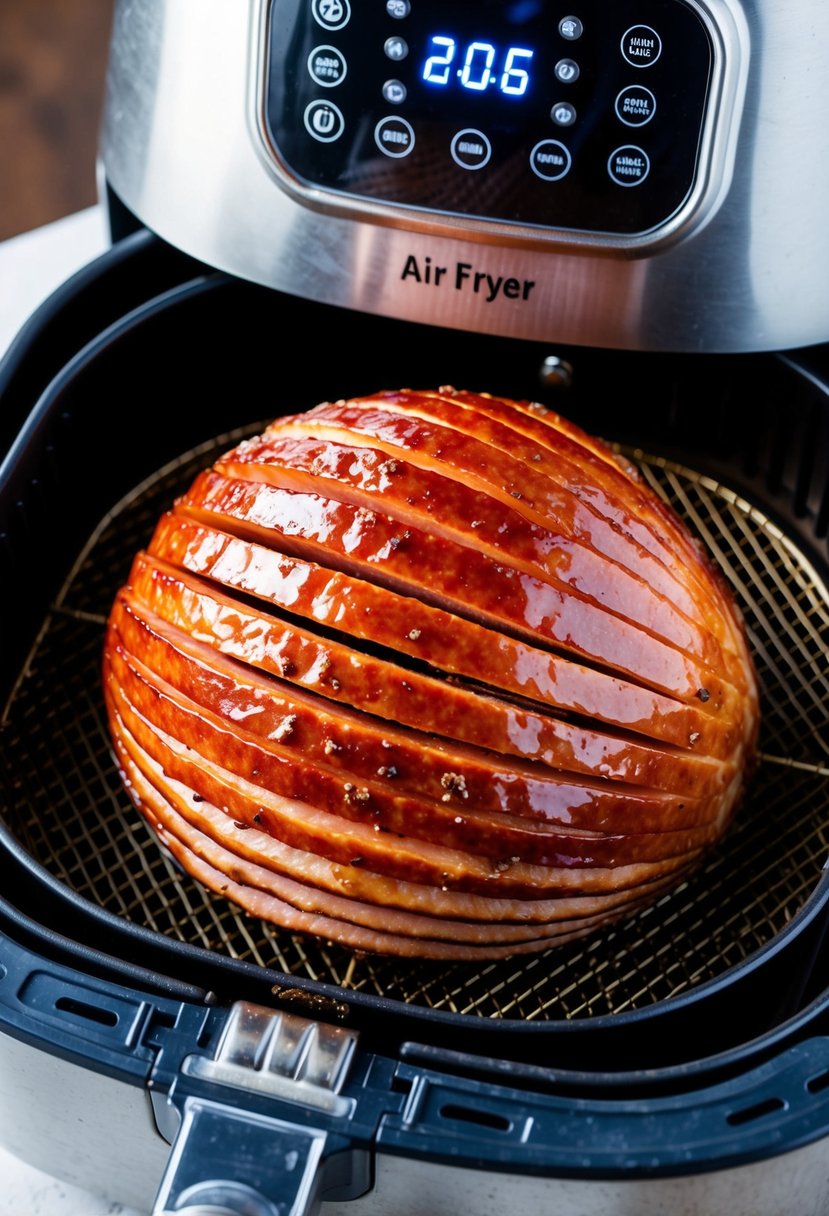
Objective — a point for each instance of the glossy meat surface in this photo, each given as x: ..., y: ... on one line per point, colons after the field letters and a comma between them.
x: 432, y: 674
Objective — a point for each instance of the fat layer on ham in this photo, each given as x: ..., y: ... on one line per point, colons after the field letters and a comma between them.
x: 432, y: 674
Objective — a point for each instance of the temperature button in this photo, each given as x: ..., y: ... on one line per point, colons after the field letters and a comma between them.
x: 331, y: 14
x: 324, y: 121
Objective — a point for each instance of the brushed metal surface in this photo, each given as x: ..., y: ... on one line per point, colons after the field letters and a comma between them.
x: 90, y: 1130
x: 80, y: 1126
x: 181, y: 146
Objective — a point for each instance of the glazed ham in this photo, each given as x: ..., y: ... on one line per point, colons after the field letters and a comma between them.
x: 430, y: 674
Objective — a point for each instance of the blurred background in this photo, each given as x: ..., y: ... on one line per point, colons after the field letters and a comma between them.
x: 53, y: 56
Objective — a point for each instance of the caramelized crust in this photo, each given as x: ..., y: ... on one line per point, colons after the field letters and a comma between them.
x: 430, y: 674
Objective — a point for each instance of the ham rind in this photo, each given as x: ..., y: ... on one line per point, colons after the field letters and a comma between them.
x: 446, y: 642
x: 432, y: 675
x: 453, y: 577
x: 388, y: 691
x: 376, y: 802
x: 360, y: 747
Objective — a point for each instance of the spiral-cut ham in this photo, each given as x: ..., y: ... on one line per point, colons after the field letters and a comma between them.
x: 433, y: 674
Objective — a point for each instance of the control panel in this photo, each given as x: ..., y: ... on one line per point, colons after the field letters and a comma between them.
x: 565, y: 114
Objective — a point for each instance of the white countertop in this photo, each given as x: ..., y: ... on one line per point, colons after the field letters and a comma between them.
x: 25, y: 1191
x: 31, y: 267
x: 34, y: 264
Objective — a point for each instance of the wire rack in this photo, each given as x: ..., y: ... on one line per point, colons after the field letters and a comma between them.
x: 66, y: 805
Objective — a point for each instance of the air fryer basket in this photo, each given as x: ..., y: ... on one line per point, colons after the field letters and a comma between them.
x: 738, y: 445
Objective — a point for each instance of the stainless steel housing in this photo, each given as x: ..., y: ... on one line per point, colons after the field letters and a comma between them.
x: 103, y: 1137
x: 740, y: 268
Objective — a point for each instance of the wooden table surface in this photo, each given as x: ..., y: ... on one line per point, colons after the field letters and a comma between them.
x: 53, y: 56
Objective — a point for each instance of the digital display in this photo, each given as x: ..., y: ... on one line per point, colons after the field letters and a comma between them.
x: 555, y: 114
x: 477, y: 66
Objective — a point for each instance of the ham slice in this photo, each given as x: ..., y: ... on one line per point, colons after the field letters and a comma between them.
x: 432, y: 674
x: 444, y: 641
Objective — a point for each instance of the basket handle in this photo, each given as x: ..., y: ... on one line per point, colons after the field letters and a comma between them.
x: 231, y: 1162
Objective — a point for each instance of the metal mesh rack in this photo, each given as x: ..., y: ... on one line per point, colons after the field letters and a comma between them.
x: 67, y: 807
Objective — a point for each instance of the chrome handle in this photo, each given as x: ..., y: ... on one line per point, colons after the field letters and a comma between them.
x: 231, y: 1162
x: 202, y: 1210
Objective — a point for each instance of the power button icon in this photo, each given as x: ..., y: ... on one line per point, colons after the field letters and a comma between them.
x: 324, y: 121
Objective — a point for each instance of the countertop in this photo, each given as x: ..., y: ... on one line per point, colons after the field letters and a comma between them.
x: 33, y: 264
x: 25, y: 1191
x: 31, y: 267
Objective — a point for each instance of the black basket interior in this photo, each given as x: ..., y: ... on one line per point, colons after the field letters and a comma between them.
x: 732, y: 442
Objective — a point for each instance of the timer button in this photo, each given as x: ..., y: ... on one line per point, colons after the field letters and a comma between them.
x: 324, y: 121
x: 471, y: 149
x: 331, y: 14
x: 394, y: 136
x: 628, y: 166
x: 641, y: 46
x: 570, y: 28
x: 327, y: 66
x: 567, y: 70
x: 398, y: 8
x: 635, y: 106
x: 550, y: 160
x: 396, y: 48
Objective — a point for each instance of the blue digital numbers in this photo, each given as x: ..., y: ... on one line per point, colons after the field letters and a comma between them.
x: 478, y: 66
x: 436, y: 68
x: 515, y: 80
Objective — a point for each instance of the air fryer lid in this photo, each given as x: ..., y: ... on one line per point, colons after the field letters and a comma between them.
x: 603, y: 175
x: 182, y: 377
